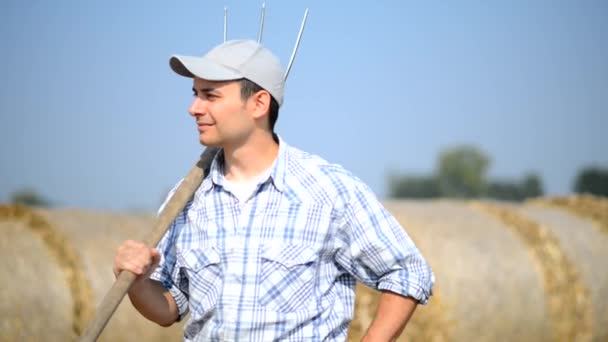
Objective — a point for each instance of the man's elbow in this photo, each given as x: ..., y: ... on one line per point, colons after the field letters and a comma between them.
x: 166, y: 323
x: 166, y: 320
x: 163, y: 315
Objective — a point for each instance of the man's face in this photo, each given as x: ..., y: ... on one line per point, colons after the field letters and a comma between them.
x: 220, y: 113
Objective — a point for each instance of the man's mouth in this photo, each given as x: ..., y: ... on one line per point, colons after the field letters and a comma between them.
x: 202, y: 126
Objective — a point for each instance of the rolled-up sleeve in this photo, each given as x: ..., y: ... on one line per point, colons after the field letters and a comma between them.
x: 168, y: 270
x: 378, y: 252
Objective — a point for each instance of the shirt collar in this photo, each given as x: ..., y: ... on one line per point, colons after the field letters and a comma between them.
x: 277, y: 174
x: 279, y: 170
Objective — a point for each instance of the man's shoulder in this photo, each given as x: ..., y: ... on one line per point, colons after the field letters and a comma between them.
x: 315, y: 165
x: 321, y: 175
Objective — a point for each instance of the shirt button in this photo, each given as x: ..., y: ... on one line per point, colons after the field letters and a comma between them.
x: 236, y: 278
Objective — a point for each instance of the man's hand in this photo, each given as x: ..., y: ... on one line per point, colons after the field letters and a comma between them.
x: 137, y: 258
x: 148, y: 296
x: 394, y: 311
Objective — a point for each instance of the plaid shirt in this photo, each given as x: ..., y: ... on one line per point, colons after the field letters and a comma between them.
x: 283, y: 264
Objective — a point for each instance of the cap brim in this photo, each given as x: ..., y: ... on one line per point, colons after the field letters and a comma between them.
x: 190, y: 66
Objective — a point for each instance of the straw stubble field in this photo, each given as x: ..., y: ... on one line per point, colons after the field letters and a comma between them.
x: 526, y: 272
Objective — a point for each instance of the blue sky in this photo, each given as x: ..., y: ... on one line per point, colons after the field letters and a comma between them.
x: 91, y: 115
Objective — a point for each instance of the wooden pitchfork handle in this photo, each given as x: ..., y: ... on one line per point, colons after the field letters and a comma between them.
x: 125, y: 279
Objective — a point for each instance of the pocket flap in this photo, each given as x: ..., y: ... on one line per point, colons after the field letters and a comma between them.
x: 290, y: 255
x: 196, y: 259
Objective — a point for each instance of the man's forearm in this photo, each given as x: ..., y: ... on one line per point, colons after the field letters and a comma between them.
x: 154, y: 302
x: 394, y: 311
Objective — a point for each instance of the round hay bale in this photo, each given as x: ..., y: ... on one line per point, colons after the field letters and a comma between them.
x: 587, y: 248
x: 524, y: 272
x: 487, y: 285
x: 29, y: 309
x: 591, y: 207
x: 569, y: 308
x: 83, y: 244
x: 503, y: 272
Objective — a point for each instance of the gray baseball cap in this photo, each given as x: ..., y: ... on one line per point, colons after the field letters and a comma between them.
x: 233, y: 60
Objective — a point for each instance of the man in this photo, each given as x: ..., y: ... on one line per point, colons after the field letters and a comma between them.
x: 271, y: 244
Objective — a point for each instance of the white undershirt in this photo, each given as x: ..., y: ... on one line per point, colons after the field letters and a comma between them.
x: 243, y: 190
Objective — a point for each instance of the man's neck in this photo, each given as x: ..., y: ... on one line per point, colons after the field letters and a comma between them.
x: 248, y: 160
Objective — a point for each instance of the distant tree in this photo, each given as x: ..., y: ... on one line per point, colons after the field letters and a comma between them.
x: 592, y: 180
x: 461, y: 171
x: 504, y: 190
x: 29, y: 197
x: 413, y: 186
x: 532, y: 186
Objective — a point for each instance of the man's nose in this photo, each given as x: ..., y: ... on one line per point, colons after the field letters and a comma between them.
x: 197, y: 107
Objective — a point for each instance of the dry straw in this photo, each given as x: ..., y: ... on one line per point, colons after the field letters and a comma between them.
x: 96, y: 236
x: 568, y: 301
x: 586, y: 245
x: 502, y: 271
x: 486, y: 287
x: 588, y: 206
x: 66, y: 257
x: 80, y: 246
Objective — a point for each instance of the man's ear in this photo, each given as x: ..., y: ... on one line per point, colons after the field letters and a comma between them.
x: 260, y: 103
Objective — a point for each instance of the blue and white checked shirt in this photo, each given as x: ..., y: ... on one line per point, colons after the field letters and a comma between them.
x: 283, y: 264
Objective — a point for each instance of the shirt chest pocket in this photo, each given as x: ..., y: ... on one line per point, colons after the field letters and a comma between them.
x: 287, y: 281
x: 201, y: 275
